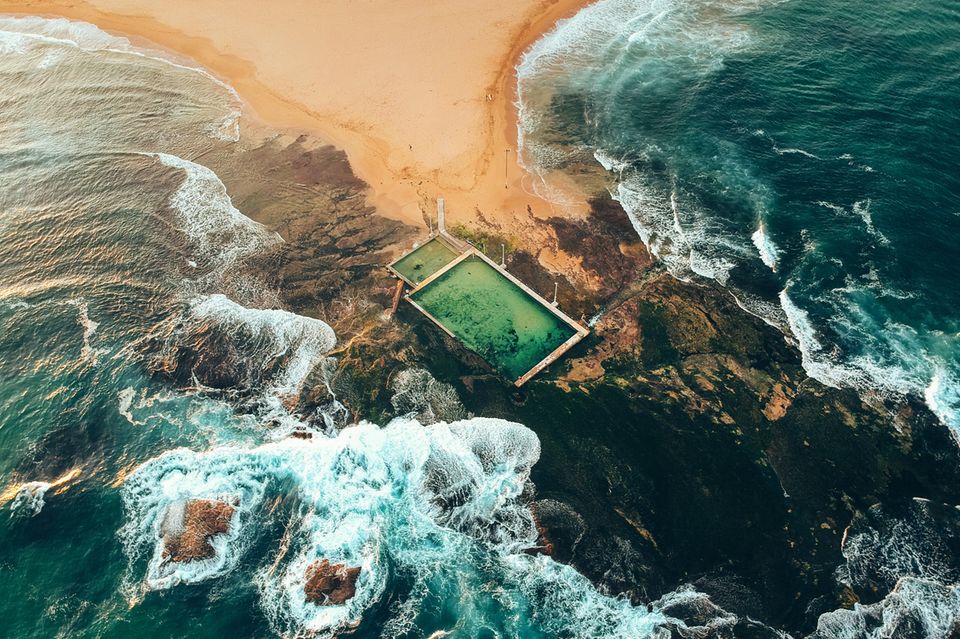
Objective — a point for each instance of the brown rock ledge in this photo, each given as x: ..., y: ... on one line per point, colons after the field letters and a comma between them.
x: 188, y: 528
x: 330, y: 584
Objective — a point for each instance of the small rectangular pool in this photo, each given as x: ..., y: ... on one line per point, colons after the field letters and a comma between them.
x: 424, y: 261
x: 494, y: 317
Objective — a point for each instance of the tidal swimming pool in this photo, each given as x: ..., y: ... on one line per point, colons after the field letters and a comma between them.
x: 424, y: 261
x: 493, y: 316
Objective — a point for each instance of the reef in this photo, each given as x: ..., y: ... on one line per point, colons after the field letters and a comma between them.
x: 188, y: 528
x: 683, y: 444
x: 330, y: 584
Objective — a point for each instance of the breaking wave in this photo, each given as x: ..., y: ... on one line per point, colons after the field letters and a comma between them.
x: 428, y: 513
x: 765, y: 247
x: 270, y: 334
x: 720, y: 180
x: 21, y: 33
x: 906, y: 555
x: 221, y: 234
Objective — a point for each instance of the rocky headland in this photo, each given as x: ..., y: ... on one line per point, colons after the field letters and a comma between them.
x: 682, y: 442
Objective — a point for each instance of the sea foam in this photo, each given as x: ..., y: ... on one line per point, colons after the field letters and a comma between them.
x: 221, y: 235
x: 769, y: 253
x: 19, y: 33
x: 301, y: 340
x: 437, y: 507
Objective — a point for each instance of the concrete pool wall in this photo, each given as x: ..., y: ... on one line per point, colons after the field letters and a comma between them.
x: 491, y: 312
x: 426, y: 259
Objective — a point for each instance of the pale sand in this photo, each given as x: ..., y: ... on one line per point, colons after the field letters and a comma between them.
x: 419, y: 94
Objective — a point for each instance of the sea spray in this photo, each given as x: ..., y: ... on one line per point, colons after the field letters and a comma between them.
x: 437, y: 507
x: 750, y: 144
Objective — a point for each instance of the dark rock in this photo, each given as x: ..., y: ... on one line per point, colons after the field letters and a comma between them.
x: 188, y: 528
x: 544, y: 546
x: 330, y: 584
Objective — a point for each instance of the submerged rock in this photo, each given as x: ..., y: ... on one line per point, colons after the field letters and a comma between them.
x: 330, y: 584
x: 188, y: 527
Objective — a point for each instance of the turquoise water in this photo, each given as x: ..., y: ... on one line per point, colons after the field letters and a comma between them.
x: 425, y: 261
x: 803, y: 154
x: 494, y: 317
x: 115, y: 250
x: 117, y: 244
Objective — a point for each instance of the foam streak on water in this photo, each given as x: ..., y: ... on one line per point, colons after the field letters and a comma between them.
x: 441, y: 502
x: 751, y: 144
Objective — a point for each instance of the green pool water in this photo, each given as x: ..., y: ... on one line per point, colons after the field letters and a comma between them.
x: 423, y: 262
x: 493, y: 316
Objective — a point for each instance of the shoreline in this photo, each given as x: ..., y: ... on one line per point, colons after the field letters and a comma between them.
x: 464, y: 138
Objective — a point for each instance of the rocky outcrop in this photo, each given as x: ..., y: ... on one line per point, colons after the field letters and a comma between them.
x: 543, y: 545
x: 330, y: 584
x: 189, y: 526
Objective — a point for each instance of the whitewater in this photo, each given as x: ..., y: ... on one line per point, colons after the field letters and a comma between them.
x: 745, y: 154
x: 121, y: 247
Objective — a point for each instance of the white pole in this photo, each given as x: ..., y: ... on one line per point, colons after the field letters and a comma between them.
x: 441, y: 218
x: 556, y: 285
x: 503, y: 255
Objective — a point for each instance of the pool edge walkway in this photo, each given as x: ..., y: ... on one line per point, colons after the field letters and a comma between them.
x: 579, y: 331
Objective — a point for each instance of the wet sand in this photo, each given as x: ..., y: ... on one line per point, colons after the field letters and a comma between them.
x: 419, y: 95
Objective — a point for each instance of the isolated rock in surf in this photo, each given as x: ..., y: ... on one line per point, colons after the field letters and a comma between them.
x: 188, y: 528
x: 330, y: 584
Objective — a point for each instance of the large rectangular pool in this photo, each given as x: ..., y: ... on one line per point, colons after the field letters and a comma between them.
x: 493, y: 316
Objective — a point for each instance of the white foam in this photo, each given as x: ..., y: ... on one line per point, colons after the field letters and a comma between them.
x: 19, y: 33
x: 769, y: 253
x: 916, y: 607
x: 440, y: 504
x: 826, y: 366
x: 29, y: 499
x: 208, y: 212
x: 861, y: 209
x: 942, y: 396
x: 417, y: 394
x: 170, y: 480
x: 87, y: 352
x: 303, y: 341
x: 220, y: 233
x: 907, y: 554
x: 792, y: 151
x: 15, y: 304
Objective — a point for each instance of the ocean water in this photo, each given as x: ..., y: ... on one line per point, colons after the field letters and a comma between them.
x: 803, y: 154
x: 115, y: 242
x: 119, y: 245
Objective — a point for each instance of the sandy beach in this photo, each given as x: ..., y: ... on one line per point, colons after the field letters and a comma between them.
x: 419, y: 95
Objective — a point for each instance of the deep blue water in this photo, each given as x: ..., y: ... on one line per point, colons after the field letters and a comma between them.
x: 800, y: 154
x: 804, y: 154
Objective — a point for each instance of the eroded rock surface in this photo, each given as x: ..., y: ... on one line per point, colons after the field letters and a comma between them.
x: 188, y: 528
x: 330, y: 584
